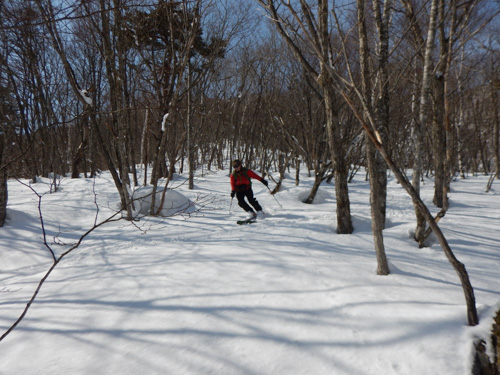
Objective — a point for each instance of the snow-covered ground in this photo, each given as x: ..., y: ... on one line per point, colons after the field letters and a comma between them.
x: 202, y: 295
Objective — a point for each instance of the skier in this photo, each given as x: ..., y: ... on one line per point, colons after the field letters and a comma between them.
x: 241, y: 186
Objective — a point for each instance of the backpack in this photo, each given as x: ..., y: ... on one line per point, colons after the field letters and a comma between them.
x: 244, y: 172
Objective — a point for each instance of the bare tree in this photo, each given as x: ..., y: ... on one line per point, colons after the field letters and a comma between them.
x: 455, y: 23
x: 4, y: 105
x: 448, y: 24
x: 168, y: 38
x: 119, y: 169
x: 495, y: 87
x: 299, y: 31
x: 3, y: 169
x: 424, y: 109
x: 376, y: 106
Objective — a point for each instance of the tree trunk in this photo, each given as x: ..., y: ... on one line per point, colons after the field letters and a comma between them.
x: 190, y: 145
x: 340, y: 167
x: 421, y: 125
x: 376, y: 164
x: 441, y: 121
x: 144, y: 147
x: 495, y: 86
x: 3, y: 179
x: 378, y: 188
x: 297, y: 171
x: 341, y: 174
x: 439, y: 141
x: 319, y: 177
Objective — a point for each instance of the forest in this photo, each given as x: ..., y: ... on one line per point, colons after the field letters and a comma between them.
x: 334, y: 88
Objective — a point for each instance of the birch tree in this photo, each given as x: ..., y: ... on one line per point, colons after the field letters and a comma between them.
x: 424, y: 107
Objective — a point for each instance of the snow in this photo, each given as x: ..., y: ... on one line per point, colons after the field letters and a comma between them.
x: 86, y: 96
x: 164, y: 122
x: 174, y: 203
x: 198, y: 294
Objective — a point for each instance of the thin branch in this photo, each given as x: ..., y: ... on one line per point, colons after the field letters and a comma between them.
x: 56, y: 260
x: 44, y: 234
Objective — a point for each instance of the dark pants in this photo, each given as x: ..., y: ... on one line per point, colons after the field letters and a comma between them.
x: 241, y: 200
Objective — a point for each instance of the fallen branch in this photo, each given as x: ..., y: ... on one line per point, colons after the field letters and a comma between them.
x: 56, y: 259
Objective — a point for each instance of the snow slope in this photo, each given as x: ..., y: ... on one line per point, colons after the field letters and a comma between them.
x: 198, y: 294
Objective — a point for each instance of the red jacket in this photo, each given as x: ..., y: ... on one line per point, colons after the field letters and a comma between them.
x: 241, y: 180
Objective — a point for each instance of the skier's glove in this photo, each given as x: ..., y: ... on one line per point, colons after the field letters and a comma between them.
x: 233, y: 193
x: 265, y: 182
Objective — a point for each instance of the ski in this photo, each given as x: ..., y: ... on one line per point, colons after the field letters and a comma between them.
x: 247, y: 221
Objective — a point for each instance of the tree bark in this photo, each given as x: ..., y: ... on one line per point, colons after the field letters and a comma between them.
x: 340, y: 167
x: 421, y: 125
x: 441, y: 124
x: 319, y: 177
x: 3, y: 179
x: 494, y: 87
x: 190, y: 139
x: 439, y: 141
x: 376, y: 164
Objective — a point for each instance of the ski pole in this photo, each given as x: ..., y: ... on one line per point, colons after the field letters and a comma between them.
x: 231, y: 204
x: 274, y: 197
